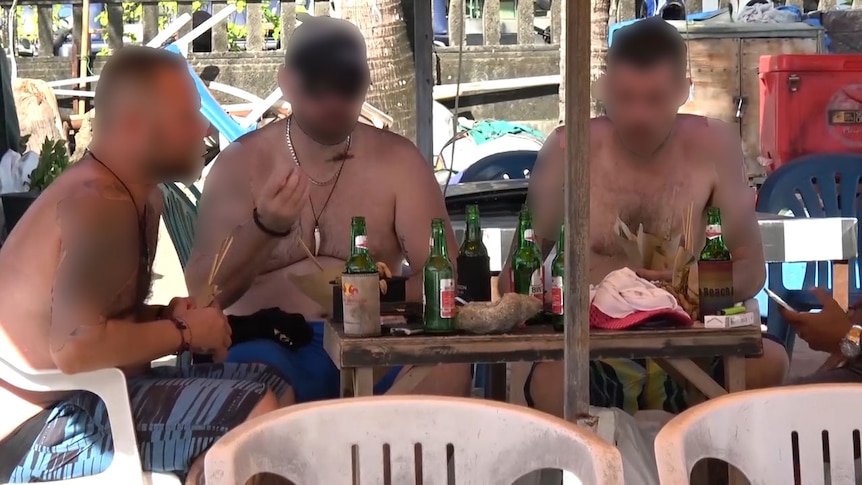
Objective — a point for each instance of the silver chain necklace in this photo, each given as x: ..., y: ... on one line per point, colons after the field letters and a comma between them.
x: 314, y: 181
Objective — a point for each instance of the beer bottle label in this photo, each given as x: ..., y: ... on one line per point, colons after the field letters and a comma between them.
x: 557, y: 295
x: 713, y: 231
x: 537, y: 283
x: 360, y: 242
x: 529, y: 235
x: 447, y: 298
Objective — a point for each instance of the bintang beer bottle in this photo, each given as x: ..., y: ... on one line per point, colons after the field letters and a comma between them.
x: 360, y: 260
x: 558, y: 272
x: 474, y: 265
x: 439, y: 295
x: 714, y: 269
x: 528, y: 276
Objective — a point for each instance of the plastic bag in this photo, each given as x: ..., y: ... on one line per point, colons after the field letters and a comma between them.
x: 15, y: 170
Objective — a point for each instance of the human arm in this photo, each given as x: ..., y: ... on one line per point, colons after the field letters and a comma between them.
x: 545, y: 200
x: 735, y: 199
x: 418, y: 199
x: 226, y: 208
x: 824, y: 330
x: 94, y: 268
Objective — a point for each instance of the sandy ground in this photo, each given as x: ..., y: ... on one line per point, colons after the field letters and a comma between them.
x: 169, y: 282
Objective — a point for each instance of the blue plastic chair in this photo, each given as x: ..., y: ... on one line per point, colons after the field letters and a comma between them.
x: 812, y: 186
x: 212, y: 110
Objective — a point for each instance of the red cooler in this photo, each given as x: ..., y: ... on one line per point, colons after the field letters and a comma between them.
x: 809, y: 103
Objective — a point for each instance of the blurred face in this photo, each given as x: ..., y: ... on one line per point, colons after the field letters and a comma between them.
x: 326, y: 108
x: 173, y: 129
x: 642, y: 103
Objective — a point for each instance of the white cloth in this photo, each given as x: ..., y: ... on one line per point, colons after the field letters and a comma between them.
x: 622, y: 293
x: 15, y: 171
x: 765, y: 13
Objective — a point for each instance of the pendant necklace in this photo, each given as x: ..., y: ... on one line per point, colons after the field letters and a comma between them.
x: 332, y: 180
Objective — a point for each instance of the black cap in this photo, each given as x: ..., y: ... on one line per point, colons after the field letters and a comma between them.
x: 326, y: 48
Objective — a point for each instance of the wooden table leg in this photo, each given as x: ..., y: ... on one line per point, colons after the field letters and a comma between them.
x: 408, y: 381
x: 347, y: 382
x: 497, y: 382
x: 363, y: 381
x: 734, y: 381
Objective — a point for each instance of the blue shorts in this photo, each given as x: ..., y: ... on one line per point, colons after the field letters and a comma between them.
x: 308, y: 369
x: 178, y: 414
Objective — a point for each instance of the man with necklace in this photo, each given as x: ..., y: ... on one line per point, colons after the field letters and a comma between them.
x: 292, y: 187
x: 649, y: 164
x: 76, y: 273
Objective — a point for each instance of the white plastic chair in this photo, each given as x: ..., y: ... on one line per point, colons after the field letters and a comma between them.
x: 490, y: 443
x: 755, y: 432
x: 110, y: 386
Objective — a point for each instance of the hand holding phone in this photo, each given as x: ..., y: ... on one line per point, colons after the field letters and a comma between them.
x: 777, y: 299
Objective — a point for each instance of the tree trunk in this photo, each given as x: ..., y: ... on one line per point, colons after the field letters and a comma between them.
x: 393, y: 75
x: 693, y: 6
x: 856, y: 4
x: 598, y: 47
x: 825, y: 5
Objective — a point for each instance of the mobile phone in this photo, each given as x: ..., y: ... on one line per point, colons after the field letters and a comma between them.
x: 777, y: 299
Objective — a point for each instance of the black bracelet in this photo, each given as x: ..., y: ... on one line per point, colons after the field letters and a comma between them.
x: 269, y: 232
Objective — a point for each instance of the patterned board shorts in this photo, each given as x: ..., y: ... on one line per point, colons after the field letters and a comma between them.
x: 178, y: 414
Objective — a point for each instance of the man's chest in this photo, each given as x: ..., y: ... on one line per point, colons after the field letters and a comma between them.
x: 658, y: 200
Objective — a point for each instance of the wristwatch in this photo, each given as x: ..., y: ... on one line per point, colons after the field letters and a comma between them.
x: 850, y: 344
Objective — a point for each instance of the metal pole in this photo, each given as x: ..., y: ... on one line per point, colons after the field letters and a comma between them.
x: 577, y: 218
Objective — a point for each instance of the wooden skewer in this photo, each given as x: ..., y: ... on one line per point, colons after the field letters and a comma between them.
x: 212, y: 291
x: 310, y: 255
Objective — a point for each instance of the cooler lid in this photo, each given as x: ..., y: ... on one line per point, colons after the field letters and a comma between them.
x: 811, y: 63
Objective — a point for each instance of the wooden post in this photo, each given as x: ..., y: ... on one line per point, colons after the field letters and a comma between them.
x: 84, y: 53
x: 423, y: 34
x: 577, y: 218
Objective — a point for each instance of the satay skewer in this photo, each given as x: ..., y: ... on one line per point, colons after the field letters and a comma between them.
x: 211, y: 291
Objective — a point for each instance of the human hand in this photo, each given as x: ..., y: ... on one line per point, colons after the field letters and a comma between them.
x: 208, y: 330
x: 179, y: 305
x: 282, y: 198
x: 655, y: 274
x: 822, y: 331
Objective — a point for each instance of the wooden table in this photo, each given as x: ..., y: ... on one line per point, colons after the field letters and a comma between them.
x: 674, y: 349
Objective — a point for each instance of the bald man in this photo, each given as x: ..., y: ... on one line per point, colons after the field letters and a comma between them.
x: 74, y: 276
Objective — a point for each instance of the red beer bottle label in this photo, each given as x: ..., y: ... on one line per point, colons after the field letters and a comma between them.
x: 557, y: 295
x: 447, y: 298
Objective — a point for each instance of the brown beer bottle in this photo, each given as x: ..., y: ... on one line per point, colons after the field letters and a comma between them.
x: 714, y: 269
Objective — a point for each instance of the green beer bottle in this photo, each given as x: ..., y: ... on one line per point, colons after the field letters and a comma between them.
x: 474, y: 265
x: 528, y: 275
x: 714, y: 269
x: 360, y: 260
x: 439, y: 294
x: 558, y: 272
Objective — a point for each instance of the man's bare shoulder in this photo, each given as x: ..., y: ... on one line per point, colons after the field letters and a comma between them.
x: 600, y: 130
x: 398, y: 155
x: 704, y: 130
x: 249, y: 150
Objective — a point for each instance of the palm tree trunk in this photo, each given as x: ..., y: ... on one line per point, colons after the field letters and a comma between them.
x: 598, y: 46
x: 393, y: 75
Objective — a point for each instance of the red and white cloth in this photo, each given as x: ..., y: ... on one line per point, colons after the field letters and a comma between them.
x: 623, y: 300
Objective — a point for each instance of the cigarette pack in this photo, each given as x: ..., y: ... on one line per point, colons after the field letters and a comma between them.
x: 731, y: 321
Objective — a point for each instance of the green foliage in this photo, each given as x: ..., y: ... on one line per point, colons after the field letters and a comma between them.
x: 53, y: 159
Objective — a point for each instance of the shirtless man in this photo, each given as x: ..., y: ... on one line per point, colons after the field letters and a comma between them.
x: 648, y: 165
x: 300, y: 181
x: 74, y: 276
